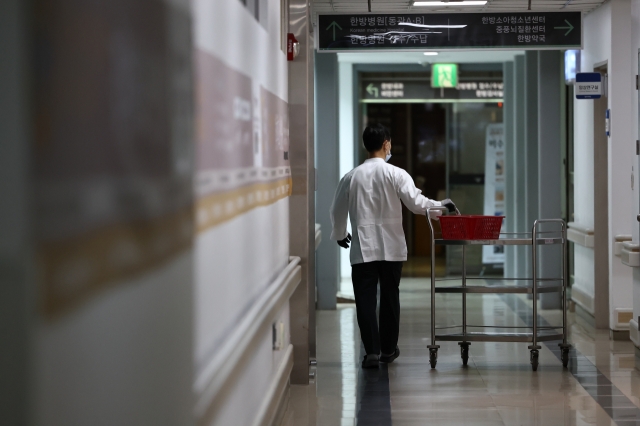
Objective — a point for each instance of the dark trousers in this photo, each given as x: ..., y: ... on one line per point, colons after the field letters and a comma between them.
x: 365, y: 278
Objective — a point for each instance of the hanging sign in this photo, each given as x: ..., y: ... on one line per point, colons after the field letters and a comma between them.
x: 444, y: 75
x: 588, y: 85
x: 517, y: 30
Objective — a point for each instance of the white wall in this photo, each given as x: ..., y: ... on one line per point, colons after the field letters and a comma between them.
x: 607, y: 34
x: 235, y: 260
x: 597, y: 45
x: 141, y: 241
x: 111, y: 313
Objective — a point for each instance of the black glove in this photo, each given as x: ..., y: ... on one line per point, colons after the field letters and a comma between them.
x: 449, y: 205
x: 345, y: 243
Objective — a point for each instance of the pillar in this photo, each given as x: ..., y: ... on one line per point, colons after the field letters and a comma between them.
x: 327, y: 163
x: 550, y: 86
x: 509, y: 126
x: 302, y: 201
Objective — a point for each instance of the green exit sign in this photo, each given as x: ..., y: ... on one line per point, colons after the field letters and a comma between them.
x: 444, y: 75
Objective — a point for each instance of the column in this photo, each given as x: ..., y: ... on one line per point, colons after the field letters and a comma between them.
x: 510, y: 192
x: 519, y: 161
x: 302, y: 200
x: 531, y: 146
x: 550, y: 85
x: 327, y: 163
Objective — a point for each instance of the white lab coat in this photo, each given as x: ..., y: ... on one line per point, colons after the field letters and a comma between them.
x: 370, y: 195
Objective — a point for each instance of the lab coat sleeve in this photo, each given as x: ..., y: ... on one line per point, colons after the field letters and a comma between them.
x: 340, y: 210
x: 412, y: 197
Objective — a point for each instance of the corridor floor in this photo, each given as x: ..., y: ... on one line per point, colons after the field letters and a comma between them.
x: 498, y: 387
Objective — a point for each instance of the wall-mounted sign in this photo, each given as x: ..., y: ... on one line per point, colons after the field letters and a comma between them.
x: 444, y: 75
x: 415, y: 90
x: 588, y: 85
x: 517, y: 30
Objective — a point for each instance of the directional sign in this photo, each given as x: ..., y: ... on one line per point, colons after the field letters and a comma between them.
x: 588, y: 85
x: 372, y: 90
x: 518, y: 30
x: 334, y: 25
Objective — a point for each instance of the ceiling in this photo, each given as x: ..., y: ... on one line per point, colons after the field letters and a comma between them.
x: 382, y: 6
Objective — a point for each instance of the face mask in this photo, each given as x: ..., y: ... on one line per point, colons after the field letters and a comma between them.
x: 387, y: 157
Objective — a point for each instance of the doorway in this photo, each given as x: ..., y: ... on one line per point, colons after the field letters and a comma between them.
x: 439, y: 138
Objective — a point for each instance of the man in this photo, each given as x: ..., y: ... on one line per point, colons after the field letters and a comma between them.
x: 370, y: 195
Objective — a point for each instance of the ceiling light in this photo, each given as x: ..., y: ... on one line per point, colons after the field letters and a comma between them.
x: 430, y: 53
x: 451, y: 3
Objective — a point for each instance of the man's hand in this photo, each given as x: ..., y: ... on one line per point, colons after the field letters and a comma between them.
x: 345, y: 243
x: 449, y: 205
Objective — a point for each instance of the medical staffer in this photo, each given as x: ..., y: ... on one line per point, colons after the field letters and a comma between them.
x: 370, y: 195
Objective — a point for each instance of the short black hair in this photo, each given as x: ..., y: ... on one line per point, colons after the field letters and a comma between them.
x: 374, y: 136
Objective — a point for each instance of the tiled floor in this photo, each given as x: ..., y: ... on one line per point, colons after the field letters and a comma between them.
x: 601, y: 386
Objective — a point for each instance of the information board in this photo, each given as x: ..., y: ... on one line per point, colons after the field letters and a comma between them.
x: 539, y: 30
x: 411, y: 90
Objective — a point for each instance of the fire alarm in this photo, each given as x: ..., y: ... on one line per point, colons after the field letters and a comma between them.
x: 293, y: 47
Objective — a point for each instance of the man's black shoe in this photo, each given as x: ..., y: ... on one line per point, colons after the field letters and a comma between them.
x: 370, y: 361
x: 390, y: 358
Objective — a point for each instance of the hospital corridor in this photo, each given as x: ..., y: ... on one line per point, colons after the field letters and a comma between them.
x: 319, y: 212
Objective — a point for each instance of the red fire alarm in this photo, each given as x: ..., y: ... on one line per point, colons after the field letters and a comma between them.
x: 293, y: 47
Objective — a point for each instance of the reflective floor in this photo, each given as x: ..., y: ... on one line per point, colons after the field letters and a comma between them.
x: 498, y: 387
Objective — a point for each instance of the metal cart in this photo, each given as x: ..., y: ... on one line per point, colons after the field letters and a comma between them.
x: 534, y: 286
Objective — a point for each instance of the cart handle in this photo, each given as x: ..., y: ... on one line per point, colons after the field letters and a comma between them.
x: 440, y: 208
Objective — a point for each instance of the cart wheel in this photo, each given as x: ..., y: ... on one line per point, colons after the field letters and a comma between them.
x: 534, y: 359
x: 433, y: 357
x: 464, y: 353
x: 565, y: 357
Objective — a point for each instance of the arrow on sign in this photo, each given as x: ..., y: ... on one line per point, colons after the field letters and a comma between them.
x: 371, y: 89
x: 569, y: 28
x: 333, y: 25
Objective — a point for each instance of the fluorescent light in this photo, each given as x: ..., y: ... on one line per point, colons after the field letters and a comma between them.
x: 451, y: 3
x: 430, y: 53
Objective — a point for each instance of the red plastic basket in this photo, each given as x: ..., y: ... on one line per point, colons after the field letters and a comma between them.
x: 470, y: 227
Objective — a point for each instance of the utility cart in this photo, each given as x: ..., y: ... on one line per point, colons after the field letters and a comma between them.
x: 534, y: 285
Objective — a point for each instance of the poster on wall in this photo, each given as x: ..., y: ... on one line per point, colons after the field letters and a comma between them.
x: 494, y: 190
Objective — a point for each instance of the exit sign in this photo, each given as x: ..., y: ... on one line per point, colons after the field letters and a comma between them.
x: 444, y: 75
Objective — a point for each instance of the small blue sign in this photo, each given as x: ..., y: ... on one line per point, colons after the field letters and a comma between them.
x: 588, y: 85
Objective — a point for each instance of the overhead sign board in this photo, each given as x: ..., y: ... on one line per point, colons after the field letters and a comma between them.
x: 539, y: 30
x: 444, y: 75
x: 588, y: 85
x: 376, y: 91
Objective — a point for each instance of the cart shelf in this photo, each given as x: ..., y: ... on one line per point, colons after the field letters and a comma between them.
x: 499, y: 242
x: 498, y: 337
x: 502, y: 289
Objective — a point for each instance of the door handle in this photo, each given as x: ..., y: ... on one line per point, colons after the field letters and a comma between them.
x: 638, y: 218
